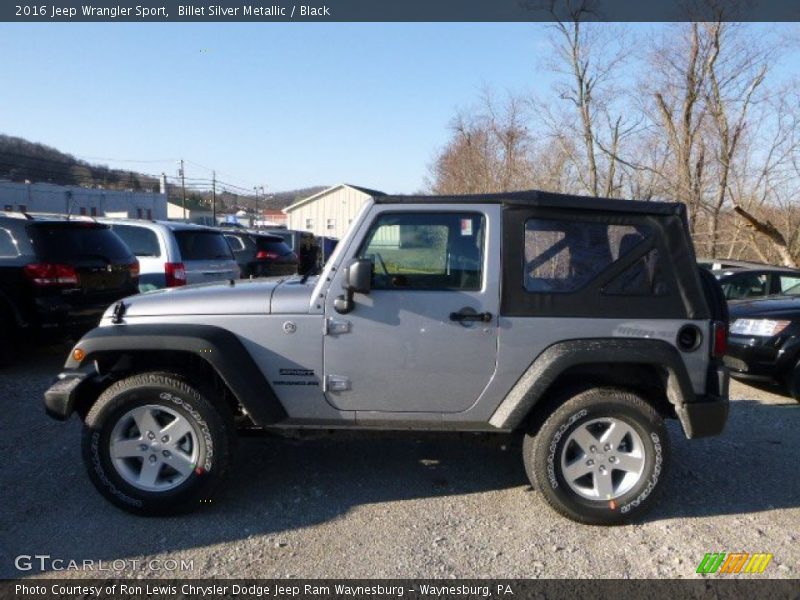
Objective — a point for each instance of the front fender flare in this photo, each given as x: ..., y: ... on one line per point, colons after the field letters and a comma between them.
x: 222, y: 350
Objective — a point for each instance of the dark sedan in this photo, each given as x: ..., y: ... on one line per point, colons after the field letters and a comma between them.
x: 764, y: 341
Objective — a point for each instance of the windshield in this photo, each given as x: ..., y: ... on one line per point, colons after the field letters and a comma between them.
x: 142, y: 241
x: 78, y: 240
x: 203, y: 245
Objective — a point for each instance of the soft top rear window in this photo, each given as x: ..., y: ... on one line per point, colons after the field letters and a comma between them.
x: 202, y: 245
x: 77, y: 240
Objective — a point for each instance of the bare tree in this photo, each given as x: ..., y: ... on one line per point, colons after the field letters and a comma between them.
x: 490, y: 151
x: 588, y: 56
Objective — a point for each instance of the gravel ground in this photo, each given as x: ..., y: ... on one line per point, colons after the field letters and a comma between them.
x: 396, y: 505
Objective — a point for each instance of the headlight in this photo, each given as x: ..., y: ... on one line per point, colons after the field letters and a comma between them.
x: 762, y: 327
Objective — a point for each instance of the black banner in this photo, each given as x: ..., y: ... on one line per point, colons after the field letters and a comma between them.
x: 322, y: 589
x: 400, y: 10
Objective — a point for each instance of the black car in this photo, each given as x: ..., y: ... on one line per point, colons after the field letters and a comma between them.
x: 764, y: 341
x: 326, y: 247
x: 57, y: 277
x: 759, y: 282
x: 261, y: 255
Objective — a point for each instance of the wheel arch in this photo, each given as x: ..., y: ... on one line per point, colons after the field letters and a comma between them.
x: 652, y: 368
x: 208, y: 354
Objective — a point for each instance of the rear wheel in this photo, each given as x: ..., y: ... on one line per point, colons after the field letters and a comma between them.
x: 600, y: 458
x: 155, y: 445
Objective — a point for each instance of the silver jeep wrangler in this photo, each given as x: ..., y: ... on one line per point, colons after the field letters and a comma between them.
x: 582, y: 323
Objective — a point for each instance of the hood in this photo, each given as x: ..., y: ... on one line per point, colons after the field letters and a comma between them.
x: 782, y: 307
x: 242, y: 297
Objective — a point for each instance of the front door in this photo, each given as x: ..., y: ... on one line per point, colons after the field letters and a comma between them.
x: 425, y: 338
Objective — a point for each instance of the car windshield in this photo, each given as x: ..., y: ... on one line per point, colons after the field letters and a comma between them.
x: 141, y: 240
x: 273, y: 244
x: 792, y: 291
x: 286, y: 236
x: 78, y: 240
x: 202, y: 245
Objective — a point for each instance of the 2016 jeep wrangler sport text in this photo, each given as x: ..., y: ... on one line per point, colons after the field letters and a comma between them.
x: 581, y: 322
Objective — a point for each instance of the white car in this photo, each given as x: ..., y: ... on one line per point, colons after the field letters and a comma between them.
x: 172, y: 254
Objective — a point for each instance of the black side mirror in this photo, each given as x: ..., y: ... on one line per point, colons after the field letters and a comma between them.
x: 359, y: 276
x: 357, y: 280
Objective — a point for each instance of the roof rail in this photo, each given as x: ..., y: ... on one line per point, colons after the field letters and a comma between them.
x: 17, y: 214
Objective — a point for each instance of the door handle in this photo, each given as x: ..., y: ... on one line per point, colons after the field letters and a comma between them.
x: 461, y: 317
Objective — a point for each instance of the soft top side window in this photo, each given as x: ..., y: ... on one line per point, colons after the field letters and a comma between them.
x: 564, y: 256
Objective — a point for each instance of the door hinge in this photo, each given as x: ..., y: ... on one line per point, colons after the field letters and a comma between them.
x: 336, y: 383
x: 336, y: 327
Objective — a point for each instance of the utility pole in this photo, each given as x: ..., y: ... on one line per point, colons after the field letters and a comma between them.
x: 255, y: 189
x: 183, y: 191
x: 263, y: 193
x: 214, y: 196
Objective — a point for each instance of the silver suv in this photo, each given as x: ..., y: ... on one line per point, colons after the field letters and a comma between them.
x: 173, y: 254
x: 581, y: 323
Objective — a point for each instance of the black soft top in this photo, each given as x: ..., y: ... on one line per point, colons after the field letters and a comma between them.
x: 540, y: 199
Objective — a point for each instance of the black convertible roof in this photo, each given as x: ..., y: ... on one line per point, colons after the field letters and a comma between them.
x: 541, y: 199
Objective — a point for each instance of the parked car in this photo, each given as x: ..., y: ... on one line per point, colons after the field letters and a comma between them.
x: 582, y: 324
x: 759, y: 282
x: 173, y: 254
x: 764, y: 341
x: 260, y: 254
x: 717, y: 264
x: 292, y: 237
x: 309, y: 249
x: 326, y: 247
x: 57, y: 276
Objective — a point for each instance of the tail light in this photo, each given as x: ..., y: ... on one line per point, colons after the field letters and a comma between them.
x: 134, y: 270
x: 175, y: 273
x: 266, y: 255
x: 49, y: 274
x: 720, y: 331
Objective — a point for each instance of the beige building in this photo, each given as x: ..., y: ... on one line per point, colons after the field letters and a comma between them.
x: 329, y: 212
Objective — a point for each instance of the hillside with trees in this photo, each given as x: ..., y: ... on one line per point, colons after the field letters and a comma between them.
x: 22, y: 160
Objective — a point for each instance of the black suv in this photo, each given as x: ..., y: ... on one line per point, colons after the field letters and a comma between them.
x: 261, y: 255
x: 58, y: 276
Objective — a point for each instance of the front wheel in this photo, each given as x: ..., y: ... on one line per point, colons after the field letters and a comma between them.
x: 600, y: 458
x: 155, y: 445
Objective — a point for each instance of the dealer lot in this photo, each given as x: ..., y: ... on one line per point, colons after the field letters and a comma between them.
x: 391, y: 505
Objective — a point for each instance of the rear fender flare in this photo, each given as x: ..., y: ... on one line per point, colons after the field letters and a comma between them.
x: 556, y: 359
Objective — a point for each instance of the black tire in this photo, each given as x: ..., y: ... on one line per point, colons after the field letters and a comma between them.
x: 210, y: 424
x: 7, y: 341
x: 793, y: 382
x: 542, y: 454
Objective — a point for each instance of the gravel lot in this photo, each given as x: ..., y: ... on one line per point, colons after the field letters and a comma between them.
x: 407, y: 505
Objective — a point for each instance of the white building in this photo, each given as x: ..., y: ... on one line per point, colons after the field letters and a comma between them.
x: 71, y: 199
x: 330, y: 211
x: 193, y: 215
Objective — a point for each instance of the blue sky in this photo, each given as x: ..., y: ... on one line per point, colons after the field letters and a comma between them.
x: 281, y: 105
